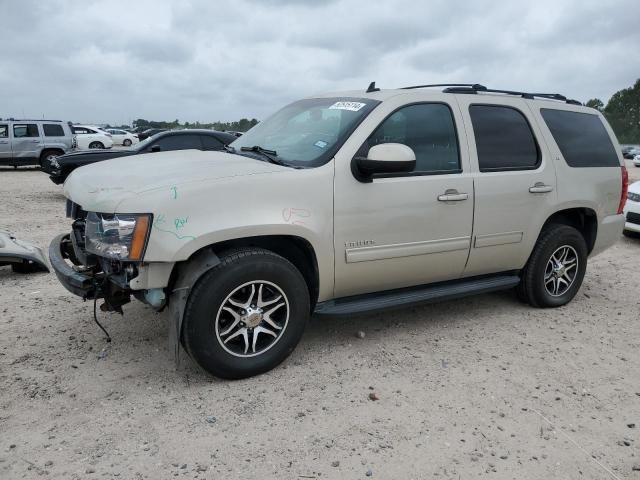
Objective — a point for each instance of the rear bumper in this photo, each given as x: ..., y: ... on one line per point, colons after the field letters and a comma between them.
x: 77, y: 283
x: 609, y: 232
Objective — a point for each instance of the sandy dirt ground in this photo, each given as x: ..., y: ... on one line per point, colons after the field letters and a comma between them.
x: 478, y: 388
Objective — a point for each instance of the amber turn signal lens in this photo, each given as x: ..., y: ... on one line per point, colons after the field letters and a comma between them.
x: 139, y: 238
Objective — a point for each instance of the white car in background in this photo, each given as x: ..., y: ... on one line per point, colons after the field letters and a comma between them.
x: 122, y: 137
x: 89, y: 136
x: 632, y: 211
x: 636, y: 160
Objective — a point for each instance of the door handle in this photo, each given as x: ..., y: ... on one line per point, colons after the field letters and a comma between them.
x: 35, y: 141
x: 540, y: 187
x: 452, y: 195
x: 4, y: 142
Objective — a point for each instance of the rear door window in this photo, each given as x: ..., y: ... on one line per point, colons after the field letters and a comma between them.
x: 52, y: 130
x: 504, y: 139
x: 25, y: 130
x: 581, y: 137
x: 4, y: 131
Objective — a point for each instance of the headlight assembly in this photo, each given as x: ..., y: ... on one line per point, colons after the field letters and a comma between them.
x: 117, y: 236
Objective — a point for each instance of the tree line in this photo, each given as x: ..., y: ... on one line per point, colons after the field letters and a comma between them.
x: 622, y: 112
x: 241, y: 125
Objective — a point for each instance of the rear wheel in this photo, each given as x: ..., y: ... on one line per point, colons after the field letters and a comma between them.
x: 96, y: 145
x: 126, y: 142
x: 47, y: 156
x: 246, y: 315
x: 555, y: 269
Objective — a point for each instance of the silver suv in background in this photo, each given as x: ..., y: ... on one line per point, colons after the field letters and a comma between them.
x: 34, y: 142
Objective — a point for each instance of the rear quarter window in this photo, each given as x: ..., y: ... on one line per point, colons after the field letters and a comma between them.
x: 581, y: 137
x: 52, y: 130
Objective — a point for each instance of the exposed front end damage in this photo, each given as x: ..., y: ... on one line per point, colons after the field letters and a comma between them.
x: 93, y: 276
x: 22, y: 256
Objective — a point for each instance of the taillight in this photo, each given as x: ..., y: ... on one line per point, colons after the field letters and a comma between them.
x: 625, y: 189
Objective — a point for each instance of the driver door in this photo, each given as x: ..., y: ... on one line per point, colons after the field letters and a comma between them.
x: 399, y: 230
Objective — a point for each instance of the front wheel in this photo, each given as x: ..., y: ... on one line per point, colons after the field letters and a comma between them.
x: 556, y: 268
x: 246, y: 315
x: 126, y: 142
x: 96, y: 145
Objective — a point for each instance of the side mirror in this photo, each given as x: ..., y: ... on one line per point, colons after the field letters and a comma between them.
x: 384, y: 158
x: 155, y: 148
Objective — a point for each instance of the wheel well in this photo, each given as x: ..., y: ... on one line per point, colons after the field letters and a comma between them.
x: 295, y: 249
x: 582, y: 219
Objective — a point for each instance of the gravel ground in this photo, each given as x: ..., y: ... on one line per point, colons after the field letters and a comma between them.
x: 481, y: 387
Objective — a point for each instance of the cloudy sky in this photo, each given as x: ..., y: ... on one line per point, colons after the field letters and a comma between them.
x: 114, y: 61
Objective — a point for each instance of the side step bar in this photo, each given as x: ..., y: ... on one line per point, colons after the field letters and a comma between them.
x: 407, y: 297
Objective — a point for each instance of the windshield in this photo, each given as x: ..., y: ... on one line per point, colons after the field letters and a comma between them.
x: 307, y: 132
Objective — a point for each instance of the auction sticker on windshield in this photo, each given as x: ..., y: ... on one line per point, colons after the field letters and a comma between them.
x: 351, y: 106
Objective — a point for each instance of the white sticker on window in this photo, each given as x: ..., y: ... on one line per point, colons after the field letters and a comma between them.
x: 351, y: 106
x: 321, y: 144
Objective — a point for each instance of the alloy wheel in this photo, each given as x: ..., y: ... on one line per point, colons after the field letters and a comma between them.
x: 561, y: 271
x: 252, y: 318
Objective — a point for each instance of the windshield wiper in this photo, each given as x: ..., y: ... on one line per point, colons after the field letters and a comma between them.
x: 268, y: 154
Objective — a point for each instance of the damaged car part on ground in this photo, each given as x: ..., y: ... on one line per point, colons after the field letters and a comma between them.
x: 22, y: 256
x: 346, y: 204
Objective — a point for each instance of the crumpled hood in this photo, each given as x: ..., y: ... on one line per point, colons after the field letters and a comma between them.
x: 635, y: 188
x: 101, y: 186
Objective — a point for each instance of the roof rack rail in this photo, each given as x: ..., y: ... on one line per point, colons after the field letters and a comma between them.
x: 472, y: 85
x: 28, y: 120
x: 473, y: 89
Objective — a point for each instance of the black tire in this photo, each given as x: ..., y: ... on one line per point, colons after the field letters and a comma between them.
x: 202, y: 324
x: 532, y: 289
x: 126, y: 142
x: 631, y: 234
x: 96, y: 145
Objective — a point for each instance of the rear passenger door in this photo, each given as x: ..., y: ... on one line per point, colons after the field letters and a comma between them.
x: 514, y: 182
x: 26, y: 143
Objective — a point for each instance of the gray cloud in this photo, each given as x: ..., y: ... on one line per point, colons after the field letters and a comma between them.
x: 201, y: 60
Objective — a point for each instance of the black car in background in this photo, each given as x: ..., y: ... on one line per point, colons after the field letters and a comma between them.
x: 60, y: 168
x: 150, y: 133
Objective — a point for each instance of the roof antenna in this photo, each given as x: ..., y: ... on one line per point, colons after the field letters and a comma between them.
x: 372, y: 88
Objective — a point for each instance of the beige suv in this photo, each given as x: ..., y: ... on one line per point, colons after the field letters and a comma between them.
x: 343, y: 204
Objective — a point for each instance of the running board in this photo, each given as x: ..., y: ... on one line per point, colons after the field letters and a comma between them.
x: 408, y: 297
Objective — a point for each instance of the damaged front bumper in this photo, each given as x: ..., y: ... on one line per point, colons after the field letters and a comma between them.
x: 90, y: 278
x: 76, y: 281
